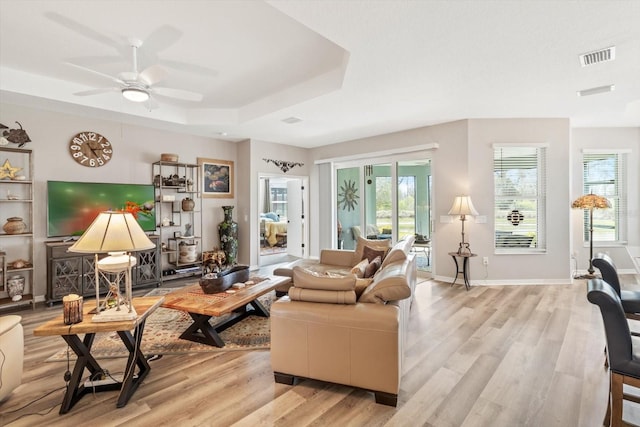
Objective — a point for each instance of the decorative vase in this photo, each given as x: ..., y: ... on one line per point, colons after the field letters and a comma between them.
x: 14, y: 225
x: 15, y: 287
x: 188, y: 204
x: 187, y: 253
x: 228, y: 230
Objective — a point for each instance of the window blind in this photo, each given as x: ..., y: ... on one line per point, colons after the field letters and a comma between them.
x: 605, y: 174
x: 520, y: 197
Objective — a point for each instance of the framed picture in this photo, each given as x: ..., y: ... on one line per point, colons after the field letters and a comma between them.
x: 177, y: 234
x: 217, y: 178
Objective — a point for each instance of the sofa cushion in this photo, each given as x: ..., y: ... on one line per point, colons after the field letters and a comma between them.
x: 390, y: 284
x: 322, y: 296
x: 373, y: 266
x: 380, y: 245
x: 360, y: 268
x: 306, y: 279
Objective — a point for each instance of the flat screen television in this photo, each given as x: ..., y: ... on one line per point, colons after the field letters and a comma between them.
x: 72, y: 206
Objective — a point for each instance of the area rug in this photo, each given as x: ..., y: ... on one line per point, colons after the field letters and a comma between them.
x: 164, y: 327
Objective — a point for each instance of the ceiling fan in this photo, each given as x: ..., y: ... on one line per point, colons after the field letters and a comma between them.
x: 140, y: 86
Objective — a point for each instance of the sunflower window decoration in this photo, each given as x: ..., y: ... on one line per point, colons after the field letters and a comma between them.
x: 348, y: 196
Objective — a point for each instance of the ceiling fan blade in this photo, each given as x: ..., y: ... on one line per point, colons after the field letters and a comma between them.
x: 190, y: 68
x: 83, y: 30
x: 97, y: 91
x: 98, y: 73
x: 153, y: 75
x: 161, y: 38
x: 92, y: 61
x: 183, y: 95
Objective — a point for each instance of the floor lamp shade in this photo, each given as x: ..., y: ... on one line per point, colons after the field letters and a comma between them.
x: 591, y: 202
x: 463, y: 206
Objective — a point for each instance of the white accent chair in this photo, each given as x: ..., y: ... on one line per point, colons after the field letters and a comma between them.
x: 11, y: 354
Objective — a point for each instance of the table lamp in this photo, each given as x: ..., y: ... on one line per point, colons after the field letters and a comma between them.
x: 462, y: 205
x: 118, y: 234
x: 591, y: 202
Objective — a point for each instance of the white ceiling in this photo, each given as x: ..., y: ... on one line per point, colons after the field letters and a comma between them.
x: 348, y: 69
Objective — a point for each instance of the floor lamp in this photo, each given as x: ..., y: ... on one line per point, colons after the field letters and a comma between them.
x: 591, y: 202
x: 118, y: 234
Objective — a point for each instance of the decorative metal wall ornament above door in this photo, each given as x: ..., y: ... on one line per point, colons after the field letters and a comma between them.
x: 284, y: 165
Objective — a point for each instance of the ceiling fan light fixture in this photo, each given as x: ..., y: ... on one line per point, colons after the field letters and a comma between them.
x: 135, y: 95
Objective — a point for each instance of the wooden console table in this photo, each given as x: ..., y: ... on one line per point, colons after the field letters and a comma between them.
x: 465, y: 267
x: 82, y: 348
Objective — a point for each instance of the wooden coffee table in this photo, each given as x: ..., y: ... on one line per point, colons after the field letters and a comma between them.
x: 202, y: 307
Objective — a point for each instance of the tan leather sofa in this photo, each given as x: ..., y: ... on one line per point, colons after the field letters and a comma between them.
x: 345, y: 341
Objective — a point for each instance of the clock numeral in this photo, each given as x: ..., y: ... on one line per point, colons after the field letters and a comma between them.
x: 105, y: 144
x: 108, y: 151
x: 84, y: 159
x: 92, y: 162
x: 104, y: 156
x: 78, y: 141
x: 100, y: 161
x: 76, y: 147
x: 78, y: 154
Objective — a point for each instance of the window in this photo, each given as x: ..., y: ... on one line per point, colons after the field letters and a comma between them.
x: 604, y: 174
x: 520, y: 198
x: 279, y: 201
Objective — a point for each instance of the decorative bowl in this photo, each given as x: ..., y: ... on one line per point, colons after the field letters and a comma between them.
x: 225, y: 279
x: 169, y: 157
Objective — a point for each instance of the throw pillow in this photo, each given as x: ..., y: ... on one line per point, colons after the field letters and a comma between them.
x: 372, y: 267
x: 361, y: 285
x: 383, y: 245
x: 306, y: 279
x: 359, y: 268
x: 370, y: 253
x: 386, y: 289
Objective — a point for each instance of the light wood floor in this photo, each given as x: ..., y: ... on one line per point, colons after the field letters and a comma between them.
x: 493, y: 356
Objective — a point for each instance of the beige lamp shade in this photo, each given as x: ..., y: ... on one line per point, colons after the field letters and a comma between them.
x: 113, y: 232
x: 462, y: 205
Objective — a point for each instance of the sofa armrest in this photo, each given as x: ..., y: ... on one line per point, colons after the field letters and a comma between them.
x: 340, y: 257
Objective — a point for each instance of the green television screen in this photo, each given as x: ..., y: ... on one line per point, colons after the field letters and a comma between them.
x: 72, y: 206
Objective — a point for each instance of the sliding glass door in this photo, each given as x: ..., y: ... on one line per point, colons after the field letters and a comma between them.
x: 384, y: 200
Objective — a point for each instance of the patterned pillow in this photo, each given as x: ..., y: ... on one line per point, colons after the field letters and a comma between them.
x: 373, y: 266
x: 380, y: 245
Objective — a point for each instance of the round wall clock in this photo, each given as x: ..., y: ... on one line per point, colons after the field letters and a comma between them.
x: 90, y: 149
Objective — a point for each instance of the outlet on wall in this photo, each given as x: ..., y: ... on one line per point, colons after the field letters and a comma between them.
x: 485, y: 260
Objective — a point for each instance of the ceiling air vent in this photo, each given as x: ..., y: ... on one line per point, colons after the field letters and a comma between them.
x: 602, y: 55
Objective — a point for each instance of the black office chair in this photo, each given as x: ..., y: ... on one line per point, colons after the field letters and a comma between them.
x: 630, y: 299
x: 623, y: 348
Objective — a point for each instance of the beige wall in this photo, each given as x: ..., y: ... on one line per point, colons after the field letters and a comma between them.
x: 553, y: 266
x: 254, y: 152
x: 135, y: 148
